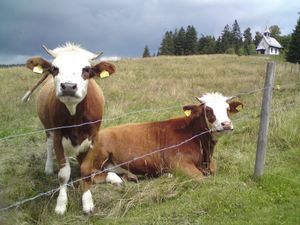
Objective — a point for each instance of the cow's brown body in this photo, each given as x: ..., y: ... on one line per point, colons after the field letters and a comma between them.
x: 128, y: 142
x: 54, y: 114
x: 70, y: 106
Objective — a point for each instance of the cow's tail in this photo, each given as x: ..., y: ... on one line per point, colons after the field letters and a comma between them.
x: 26, y: 97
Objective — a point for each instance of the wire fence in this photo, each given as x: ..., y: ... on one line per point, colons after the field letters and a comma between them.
x: 53, y: 191
x: 238, y: 95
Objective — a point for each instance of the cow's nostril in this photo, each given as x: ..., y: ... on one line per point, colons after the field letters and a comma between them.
x: 63, y: 86
x: 74, y: 87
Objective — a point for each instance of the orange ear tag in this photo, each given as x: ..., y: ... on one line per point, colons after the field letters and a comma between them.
x: 104, y: 74
x: 38, y: 69
x: 187, y: 112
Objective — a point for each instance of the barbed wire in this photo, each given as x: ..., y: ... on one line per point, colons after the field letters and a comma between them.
x: 71, y: 183
x: 50, y: 192
x: 238, y: 95
x: 16, y: 204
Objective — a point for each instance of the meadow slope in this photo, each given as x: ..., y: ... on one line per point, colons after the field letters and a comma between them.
x: 155, y: 89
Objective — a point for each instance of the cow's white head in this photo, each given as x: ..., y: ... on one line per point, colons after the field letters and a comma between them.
x: 71, y: 68
x: 215, y: 109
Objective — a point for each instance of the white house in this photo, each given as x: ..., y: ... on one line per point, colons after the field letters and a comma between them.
x: 268, y: 45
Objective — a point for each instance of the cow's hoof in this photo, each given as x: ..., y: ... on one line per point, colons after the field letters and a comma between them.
x: 48, y: 171
x: 114, y: 179
x: 60, y: 209
x: 87, y: 202
x: 130, y: 177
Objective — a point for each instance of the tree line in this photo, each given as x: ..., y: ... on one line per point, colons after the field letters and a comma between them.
x: 185, y: 41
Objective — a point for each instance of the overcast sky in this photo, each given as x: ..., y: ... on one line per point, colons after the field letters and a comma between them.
x: 123, y: 27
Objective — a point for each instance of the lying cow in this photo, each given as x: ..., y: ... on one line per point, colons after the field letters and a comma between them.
x: 69, y: 97
x: 202, y: 126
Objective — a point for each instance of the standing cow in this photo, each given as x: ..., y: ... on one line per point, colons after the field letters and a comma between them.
x: 69, y: 97
x: 135, y: 145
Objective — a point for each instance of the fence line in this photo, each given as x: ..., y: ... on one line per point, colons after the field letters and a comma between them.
x: 71, y: 183
x: 50, y: 192
x: 126, y: 114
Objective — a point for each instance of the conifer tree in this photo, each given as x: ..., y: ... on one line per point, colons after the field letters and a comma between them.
x: 207, y: 45
x: 248, y: 42
x: 146, y: 52
x: 257, y: 38
x: 237, y: 37
x: 190, y: 41
x: 179, y: 41
x: 167, y: 44
x: 293, y: 54
x: 226, y: 39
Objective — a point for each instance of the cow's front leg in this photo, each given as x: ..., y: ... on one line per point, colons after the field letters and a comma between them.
x: 90, y: 174
x: 189, y: 169
x: 49, y: 160
x: 63, y: 174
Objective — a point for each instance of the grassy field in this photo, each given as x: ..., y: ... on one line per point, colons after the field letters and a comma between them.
x: 156, y: 89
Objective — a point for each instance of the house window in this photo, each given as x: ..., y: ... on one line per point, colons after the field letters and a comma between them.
x: 276, y: 50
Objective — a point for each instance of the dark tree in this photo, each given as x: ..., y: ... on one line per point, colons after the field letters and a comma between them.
x: 167, y: 44
x: 275, y: 31
x: 293, y: 54
x: 146, y: 52
x: 226, y: 39
x: 257, y: 38
x: 236, y: 36
x: 219, y: 47
x: 247, y: 41
x: 285, y: 41
x: 190, y: 41
x: 207, y: 45
x: 179, y: 41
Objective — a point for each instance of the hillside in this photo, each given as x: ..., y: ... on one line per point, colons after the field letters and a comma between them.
x: 154, y: 89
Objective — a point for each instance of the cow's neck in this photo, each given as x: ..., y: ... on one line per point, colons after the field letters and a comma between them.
x: 198, y: 126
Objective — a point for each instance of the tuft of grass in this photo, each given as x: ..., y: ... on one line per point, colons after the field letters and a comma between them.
x: 156, y: 89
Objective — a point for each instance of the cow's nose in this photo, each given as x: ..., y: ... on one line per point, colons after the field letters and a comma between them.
x: 227, y: 125
x: 68, y: 88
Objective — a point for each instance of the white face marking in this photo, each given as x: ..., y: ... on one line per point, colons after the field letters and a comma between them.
x: 87, y: 202
x: 218, y: 104
x: 71, y: 150
x: 70, y: 67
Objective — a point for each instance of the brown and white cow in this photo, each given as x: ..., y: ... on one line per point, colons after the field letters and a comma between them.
x: 121, y: 144
x: 69, y: 97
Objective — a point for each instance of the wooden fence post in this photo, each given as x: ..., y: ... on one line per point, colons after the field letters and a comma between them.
x: 264, y: 120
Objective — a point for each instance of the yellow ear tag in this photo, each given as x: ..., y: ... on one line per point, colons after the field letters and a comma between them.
x: 187, y: 112
x: 104, y: 74
x: 239, y: 108
x: 38, y: 69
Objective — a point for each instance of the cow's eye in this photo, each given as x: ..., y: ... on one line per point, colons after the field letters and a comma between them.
x: 86, y: 72
x: 54, y: 70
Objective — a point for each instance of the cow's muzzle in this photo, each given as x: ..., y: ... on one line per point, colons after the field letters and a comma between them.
x: 68, y: 89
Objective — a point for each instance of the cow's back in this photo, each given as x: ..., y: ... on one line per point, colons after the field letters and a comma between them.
x: 131, y: 141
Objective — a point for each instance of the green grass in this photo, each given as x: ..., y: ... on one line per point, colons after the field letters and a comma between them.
x: 232, y: 196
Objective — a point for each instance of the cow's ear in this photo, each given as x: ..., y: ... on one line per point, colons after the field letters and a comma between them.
x: 102, y: 69
x: 191, y: 110
x: 235, y: 106
x: 38, y: 64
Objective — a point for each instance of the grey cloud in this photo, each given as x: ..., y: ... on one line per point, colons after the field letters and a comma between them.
x: 123, y: 28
